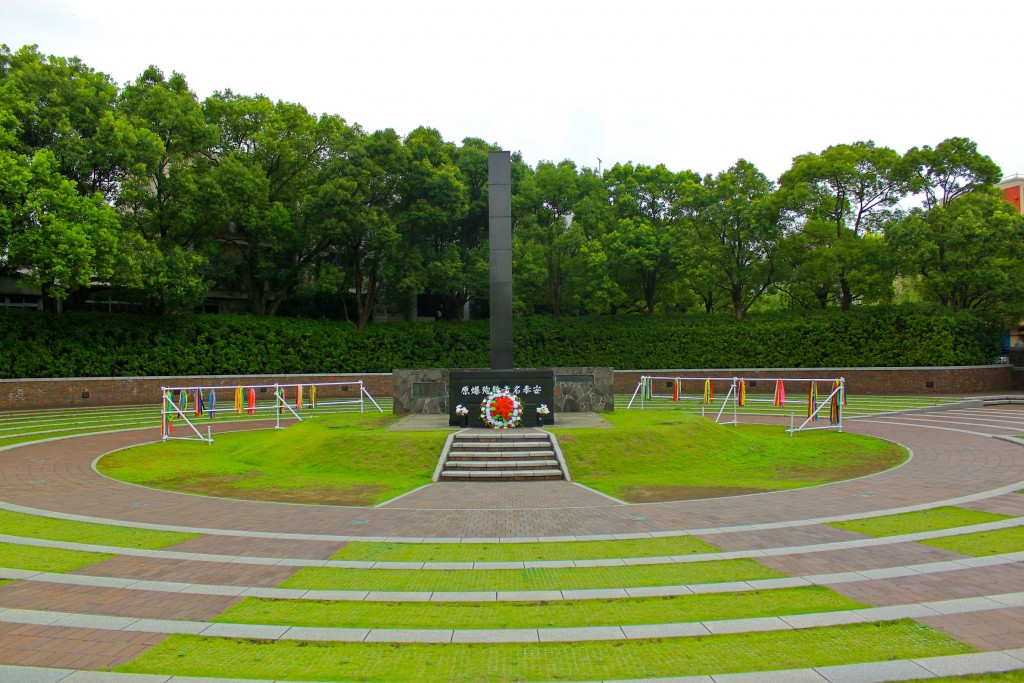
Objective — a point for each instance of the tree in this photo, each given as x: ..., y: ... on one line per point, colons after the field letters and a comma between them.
x: 966, y: 253
x: 267, y: 159
x: 434, y: 205
x: 550, y: 246
x: 168, y: 196
x: 55, y: 238
x: 953, y: 169
x: 643, y: 236
x: 355, y: 207
x: 57, y: 231
x: 845, y: 194
x: 736, y: 229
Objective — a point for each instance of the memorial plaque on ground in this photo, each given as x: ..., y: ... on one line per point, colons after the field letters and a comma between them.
x: 470, y: 387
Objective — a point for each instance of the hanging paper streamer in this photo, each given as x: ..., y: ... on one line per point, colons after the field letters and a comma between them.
x: 238, y: 400
x: 312, y: 397
x: 743, y: 393
x: 199, y: 403
x: 675, y: 390
x: 252, y: 401
x: 298, y: 397
x: 780, y: 393
x: 169, y: 401
x: 812, y: 401
x: 835, y: 411
x: 212, y: 410
x: 183, y: 401
x: 709, y: 392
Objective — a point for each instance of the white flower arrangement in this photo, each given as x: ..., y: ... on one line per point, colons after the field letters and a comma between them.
x: 543, y: 409
x: 461, y: 410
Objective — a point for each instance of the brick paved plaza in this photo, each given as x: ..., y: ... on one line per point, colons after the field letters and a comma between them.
x: 106, y: 614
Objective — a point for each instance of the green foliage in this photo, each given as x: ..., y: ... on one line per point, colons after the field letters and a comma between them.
x: 102, y: 345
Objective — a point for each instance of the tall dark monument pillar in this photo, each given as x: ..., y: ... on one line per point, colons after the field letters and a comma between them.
x: 534, y: 387
x: 499, y: 188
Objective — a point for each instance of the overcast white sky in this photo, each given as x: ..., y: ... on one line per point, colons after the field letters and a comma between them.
x: 691, y: 85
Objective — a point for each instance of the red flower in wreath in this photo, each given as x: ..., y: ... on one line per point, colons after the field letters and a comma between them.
x: 502, y: 406
x: 501, y: 409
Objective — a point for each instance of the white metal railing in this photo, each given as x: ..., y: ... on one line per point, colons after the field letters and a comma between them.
x: 202, y: 401
x: 737, y: 396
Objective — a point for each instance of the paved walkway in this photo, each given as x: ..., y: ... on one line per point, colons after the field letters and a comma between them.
x: 103, y: 615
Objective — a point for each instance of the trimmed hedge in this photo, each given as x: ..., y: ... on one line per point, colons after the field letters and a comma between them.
x: 37, y: 344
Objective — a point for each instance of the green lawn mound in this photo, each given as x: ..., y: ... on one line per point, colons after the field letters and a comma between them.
x: 352, y: 459
x: 656, y: 456
x: 347, y: 459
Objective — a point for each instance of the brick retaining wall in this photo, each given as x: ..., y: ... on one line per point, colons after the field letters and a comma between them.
x: 968, y: 379
x: 25, y: 394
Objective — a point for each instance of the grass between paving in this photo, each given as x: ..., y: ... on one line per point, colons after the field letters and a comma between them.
x: 569, y: 613
x: 523, y: 552
x: 341, y: 459
x: 33, y: 526
x: 983, y: 543
x: 432, y: 580
x: 53, y: 560
x: 656, y: 455
x: 934, y: 519
x: 186, y: 655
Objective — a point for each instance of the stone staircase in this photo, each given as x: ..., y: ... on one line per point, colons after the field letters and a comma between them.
x: 487, y: 455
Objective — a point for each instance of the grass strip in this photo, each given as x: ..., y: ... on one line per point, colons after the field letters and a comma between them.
x: 570, y: 613
x: 33, y: 526
x: 523, y: 552
x: 934, y: 519
x: 982, y: 543
x: 187, y: 655
x: 674, y: 455
x: 339, y: 459
x: 432, y: 580
x: 53, y: 560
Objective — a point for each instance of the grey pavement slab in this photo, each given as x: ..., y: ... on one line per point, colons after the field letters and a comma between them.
x: 170, y: 626
x: 477, y: 596
x: 529, y: 596
x: 344, y: 635
x: 874, y: 672
x: 666, y: 630
x: 518, y: 635
x: 745, y: 625
x: 575, y: 634
x: 823, y: 619
x: 896, y: 612
x: 595, y: 594
x: 400, y: 635
x: 29, y: 674
x: 962, y: 605
x: 787, y: 676
x: 960, y: 665
x: 105, y: 677
x: 245, y: 631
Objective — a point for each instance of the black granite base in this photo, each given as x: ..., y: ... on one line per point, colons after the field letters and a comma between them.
x: 470, y: 387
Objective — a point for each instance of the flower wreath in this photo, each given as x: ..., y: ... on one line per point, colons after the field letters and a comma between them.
x: 501, y: 410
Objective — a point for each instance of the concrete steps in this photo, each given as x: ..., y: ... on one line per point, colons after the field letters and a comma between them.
x: 485, y: 455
